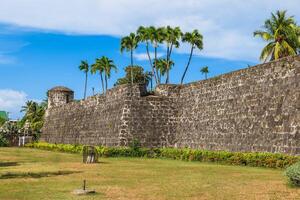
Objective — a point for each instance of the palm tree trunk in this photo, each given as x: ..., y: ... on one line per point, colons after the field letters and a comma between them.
x: 168, y: 63
x: 159, y: 77
x: 85, y: 85
x: 102, y: 83
x: 131, y: 71
x: 168, y: 49
x: 155, y: 57
x: 152, y: 67
x: 205, y: 76
x: 171, y: 48
x: 187, y: 66
x: 105, y: 82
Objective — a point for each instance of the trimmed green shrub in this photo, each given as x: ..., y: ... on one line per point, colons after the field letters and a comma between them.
x: 3, y: 141
x: 293, y: 174
x: 255, y: 159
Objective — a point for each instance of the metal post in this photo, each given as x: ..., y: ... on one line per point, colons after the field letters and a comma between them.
x: 84, y: 182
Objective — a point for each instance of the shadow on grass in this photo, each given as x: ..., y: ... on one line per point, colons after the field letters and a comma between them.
x: 8, y: 164
x: 101, y: 162
x: 10, y: 175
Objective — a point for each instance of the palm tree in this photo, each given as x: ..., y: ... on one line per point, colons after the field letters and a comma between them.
x: 196, y: 41
x: 34, y: 114
x: 84, y: 66
x: 163, y: 66
x: 107, y: 65
x: 130, y: 43
x: 156, y: 37
x: 171, y: 37
x: 204, y: 70
x: 30, y: 107
x: 280, y: 32
x: 144, y: 34
x: 98, y: 67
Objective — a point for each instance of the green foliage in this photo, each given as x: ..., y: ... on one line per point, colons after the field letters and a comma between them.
x: 254, y: 159
x: 84, y: 66
x: 282, y: 34
x: 163, y: 66
x: 3, y: 141
x: 103, y: 65
x: 34, y: 115
x: 2, y: 121
x: 3, y: 117
x: 195, y: 39
x: 204, y: 70
x: 135, y: 144
x: 138, y: 76
x: 293, y: 174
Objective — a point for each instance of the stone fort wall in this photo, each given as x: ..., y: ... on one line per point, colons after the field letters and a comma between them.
x: 253, y: 109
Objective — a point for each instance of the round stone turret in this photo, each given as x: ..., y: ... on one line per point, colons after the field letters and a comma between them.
x: 59, y: 95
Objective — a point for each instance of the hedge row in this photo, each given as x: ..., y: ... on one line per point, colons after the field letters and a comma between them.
x: 255, y: 159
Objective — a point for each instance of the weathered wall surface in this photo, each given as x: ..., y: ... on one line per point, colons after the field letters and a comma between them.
x: 97, y: 120
x: 113, y: 119
x: 254, y: 109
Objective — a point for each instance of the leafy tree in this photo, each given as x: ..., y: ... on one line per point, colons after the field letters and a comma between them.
x: 108, y: 65
x: 84, y: 66
x: 144, y: 34
x: 137, y: 72
x: 282, y: 34
x: 98, y: 67
x: 130, y: 43
x: 195, y: 39
x: 204, y: 70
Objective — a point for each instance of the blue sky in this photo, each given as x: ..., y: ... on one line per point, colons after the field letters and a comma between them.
x: 43, y: 42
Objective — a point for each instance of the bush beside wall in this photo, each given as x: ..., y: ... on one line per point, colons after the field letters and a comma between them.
x: 293, y: 174
x: 255, y: 159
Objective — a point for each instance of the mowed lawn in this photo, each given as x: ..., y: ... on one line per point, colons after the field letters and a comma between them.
x: 37, y: 174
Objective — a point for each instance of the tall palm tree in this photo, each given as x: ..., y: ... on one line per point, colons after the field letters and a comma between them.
x: 130, y: 43
x: 144, y: 34
x: 195, y: 39
x: 163, y: 66
x: 97, y: 67
x: 84, y: 66
x: 280, y: 31
x: 204, y: 70
x: 156, y: 38
x: 171, y: 37
x: 107, y: 64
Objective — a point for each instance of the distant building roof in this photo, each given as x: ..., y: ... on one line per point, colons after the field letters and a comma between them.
x: 61, y: 89
x: 4, y: 115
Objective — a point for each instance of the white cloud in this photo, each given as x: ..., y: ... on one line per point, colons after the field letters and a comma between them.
x: 227, y: 25
x: 144, y: 56
x: 12, y: 101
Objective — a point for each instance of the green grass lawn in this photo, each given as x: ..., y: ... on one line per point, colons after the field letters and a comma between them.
x: 37, y: 174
